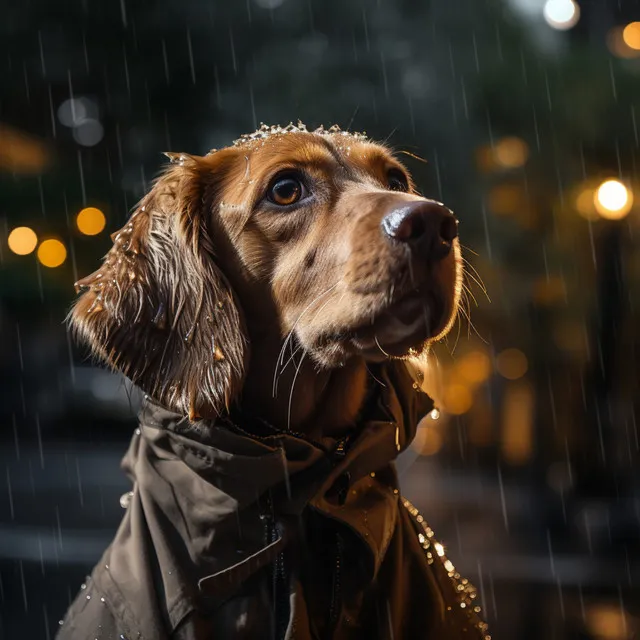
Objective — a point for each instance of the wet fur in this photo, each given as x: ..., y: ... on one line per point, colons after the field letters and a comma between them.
x: 203, y: 271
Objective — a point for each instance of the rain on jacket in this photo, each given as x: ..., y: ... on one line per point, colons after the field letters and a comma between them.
x: 273, y: 536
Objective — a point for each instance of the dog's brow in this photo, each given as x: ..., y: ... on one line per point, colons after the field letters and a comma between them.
x: 315, y: 158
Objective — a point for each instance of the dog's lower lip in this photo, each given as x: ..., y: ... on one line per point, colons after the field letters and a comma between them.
x: 415, y: 316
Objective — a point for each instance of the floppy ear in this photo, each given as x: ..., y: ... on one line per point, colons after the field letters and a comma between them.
x: 160, y: 309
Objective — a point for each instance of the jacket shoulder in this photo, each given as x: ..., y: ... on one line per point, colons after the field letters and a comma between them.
x: 458, y: 594
x: 89, y: 617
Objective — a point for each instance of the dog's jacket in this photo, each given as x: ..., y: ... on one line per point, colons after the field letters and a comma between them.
x: 233, y: 535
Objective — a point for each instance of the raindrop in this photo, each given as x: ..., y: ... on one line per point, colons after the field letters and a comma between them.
x: 82, y: 185
x: 10, y: 492
x: 503, y: 500
x: 269, y: 4
x: 52, y: 112
x: 24, y: 586
x: 190, y: 48
x: 80, y: 493
x: 166, y: 61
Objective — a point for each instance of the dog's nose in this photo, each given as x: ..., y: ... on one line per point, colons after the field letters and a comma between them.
x: 425, y: 225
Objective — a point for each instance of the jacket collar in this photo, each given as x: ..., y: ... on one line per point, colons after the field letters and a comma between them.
x: 199, y: 490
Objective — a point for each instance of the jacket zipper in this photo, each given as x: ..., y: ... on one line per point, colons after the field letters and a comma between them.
x: 279, y: 584
x: 278, y: 577
x: 336, y: 589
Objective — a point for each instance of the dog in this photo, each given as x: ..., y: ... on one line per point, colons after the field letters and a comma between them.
x: 271, y: 299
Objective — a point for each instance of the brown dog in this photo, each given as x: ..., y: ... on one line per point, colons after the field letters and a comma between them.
x: 265, y: 297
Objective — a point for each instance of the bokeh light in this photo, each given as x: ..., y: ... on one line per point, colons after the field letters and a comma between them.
x: 91, y: 221
x: 88, y: 133
x: 548, y: 290
x: 631, y: 35
x: 511, y: 153
x: 584, y: 204
x: 474, y: 367
x: 22, y: 240
x: 505, y: 199
x: 517, y: 423
x: 457, y: 399
x: 512, y: 364
x: 561, y: 14
x: 613, y: 200
x: 52, y: 253
x: 618, y: 44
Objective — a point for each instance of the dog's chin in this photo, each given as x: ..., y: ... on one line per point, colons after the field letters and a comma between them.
x: 404, y: 328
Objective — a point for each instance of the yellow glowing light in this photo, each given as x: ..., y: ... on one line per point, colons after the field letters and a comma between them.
x: 457, y: 399
x: 585, y: 204
x: 613, y: 200
x: 504, y: 199
x: 22, y: 240
x: 561, y: 14
x: 439, y: 549
x: 511, y: 153
x: 475, y: 367
x: 512, y: 364
x: 91, y: 221
x: 631, y: 35
x: 608, y: 622
x: 52, y: 253
x: 618, y: 45
x: 517, y: 423
x: 549, y: 290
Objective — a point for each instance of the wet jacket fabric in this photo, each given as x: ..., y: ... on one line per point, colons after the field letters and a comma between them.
x: 238, y: 530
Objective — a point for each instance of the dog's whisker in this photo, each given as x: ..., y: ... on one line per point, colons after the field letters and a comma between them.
x: 293, y: 385
x: 468, y: 292
x: 382, y: 384
x: 291, y: 357
x: 289, y: 338
x: 459, y: 323
x: 469, y: 249
x: 478, y: 282
x: 375, y: 337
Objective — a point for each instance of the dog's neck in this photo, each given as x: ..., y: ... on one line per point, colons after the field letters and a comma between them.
x: 301, y: 398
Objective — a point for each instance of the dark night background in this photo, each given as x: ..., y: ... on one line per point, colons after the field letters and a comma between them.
x: 530, y: 474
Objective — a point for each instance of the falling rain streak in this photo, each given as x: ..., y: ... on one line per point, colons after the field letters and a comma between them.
x: 526, y: 116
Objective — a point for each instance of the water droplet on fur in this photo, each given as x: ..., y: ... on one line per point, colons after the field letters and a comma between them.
x: 96, y: 305
x: 189, y: 336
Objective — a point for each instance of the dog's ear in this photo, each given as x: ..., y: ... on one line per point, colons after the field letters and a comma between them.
x: 160, y: 309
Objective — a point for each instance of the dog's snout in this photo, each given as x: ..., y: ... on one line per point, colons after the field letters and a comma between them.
x: 426, y: 225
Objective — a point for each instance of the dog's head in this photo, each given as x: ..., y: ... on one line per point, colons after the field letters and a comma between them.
x: 320, y: 236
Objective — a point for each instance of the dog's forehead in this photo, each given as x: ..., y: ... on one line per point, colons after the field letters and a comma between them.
x: 295, y: 143
x: 266, y: 132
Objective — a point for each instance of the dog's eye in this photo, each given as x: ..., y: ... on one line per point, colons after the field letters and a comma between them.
x: 286, y: 190
x: 397, y: 181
